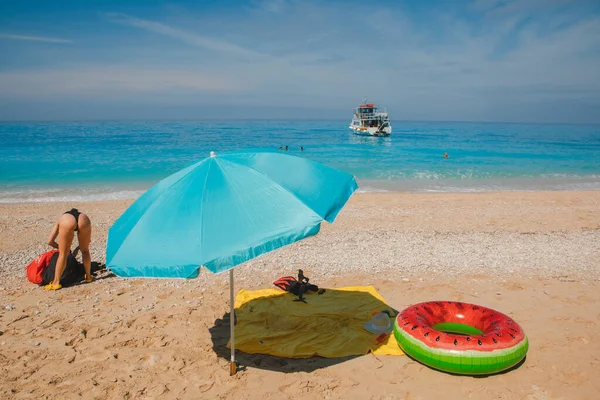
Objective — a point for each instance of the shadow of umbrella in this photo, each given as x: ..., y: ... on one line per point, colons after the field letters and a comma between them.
x: 220, y: 336
x: 275, y: 333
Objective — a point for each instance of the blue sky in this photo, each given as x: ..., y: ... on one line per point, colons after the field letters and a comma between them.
x: 479, y: 60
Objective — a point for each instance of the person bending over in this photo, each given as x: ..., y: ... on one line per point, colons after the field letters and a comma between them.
x: 64, y: 229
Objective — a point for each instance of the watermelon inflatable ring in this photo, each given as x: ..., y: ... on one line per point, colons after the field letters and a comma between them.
x: 460, y: 338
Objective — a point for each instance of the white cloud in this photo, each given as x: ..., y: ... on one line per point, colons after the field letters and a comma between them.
x: 188, y: 37
x: 113, y: 81
x: 272, y: 6
x: 504, y: 8
x: 34, y: 38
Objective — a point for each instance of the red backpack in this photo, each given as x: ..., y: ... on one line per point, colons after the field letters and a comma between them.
x: 36, y: 269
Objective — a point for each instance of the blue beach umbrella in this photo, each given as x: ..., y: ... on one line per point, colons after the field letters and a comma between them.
x: 223, y: 211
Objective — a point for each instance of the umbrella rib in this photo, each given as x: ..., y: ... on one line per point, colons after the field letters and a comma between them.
x: 225, y: 175
x: 278, y: 185
x: 153, y: 203
x: 323, y: 217
x: 202, y: 207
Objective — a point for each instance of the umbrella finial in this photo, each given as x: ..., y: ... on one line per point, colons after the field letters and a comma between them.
x: 212, y: 154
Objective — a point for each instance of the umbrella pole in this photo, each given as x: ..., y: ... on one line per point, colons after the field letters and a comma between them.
x: 232, y: 365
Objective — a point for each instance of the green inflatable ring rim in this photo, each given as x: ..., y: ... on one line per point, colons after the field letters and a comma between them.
x: 468, y: 362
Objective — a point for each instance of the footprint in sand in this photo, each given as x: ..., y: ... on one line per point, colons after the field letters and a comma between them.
x: 569, y: 377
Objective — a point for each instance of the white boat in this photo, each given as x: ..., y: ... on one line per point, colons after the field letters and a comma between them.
x: 369, y: 121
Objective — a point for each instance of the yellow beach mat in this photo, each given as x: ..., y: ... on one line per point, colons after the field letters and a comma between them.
x: 269, y: 321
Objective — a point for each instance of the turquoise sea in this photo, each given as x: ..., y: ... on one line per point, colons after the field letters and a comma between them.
x: 110, y: 160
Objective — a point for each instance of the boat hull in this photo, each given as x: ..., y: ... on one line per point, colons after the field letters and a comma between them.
x: 371, y: 131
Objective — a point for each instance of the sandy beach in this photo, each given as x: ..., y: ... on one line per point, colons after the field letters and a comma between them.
x: 532, y: 255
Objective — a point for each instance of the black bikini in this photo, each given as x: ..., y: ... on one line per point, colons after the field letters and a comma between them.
x: 74, y: 212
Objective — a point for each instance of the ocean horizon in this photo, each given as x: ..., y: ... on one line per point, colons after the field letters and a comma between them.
x: 100, y: 160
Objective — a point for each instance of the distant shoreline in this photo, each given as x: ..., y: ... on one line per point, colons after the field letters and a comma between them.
x: 124, y: 191
x: 133, y: 195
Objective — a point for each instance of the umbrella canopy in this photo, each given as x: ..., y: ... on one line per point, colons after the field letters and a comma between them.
x: 223, y: 211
